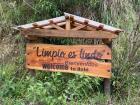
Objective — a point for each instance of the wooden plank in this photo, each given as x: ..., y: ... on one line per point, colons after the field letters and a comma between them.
x: 57, y: 27
x: 49, y: 26
x: 79, y: 59
x: 68, y: 33
x: 87, y: 28
x: 79, y: 27
x: 86, y: 51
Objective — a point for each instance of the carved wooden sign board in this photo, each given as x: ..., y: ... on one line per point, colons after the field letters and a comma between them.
x: 72, y: 59
x: 92, y: 60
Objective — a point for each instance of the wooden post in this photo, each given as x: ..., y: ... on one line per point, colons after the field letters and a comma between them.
x: 32, y: 72
x: 68, y: 24
x: 107, y: 90
x: 107, y: 82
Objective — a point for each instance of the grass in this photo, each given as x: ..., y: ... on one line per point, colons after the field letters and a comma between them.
x: 51, y: 88
x: 18, y: 87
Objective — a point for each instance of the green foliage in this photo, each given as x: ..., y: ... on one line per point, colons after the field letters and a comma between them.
x: 46, y: 9
x: 124, y: 51
x: 48, y: 88
x: 19, y: 88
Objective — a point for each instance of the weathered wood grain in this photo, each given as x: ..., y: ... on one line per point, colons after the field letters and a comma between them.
x: 93, y: 23
x: 79, y: 27
x: 69, y: 59
x: 57, y: 27
x: 68, y: 33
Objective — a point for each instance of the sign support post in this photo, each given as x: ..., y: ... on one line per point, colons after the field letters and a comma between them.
x: 107, y: 89
x: 107, y: 81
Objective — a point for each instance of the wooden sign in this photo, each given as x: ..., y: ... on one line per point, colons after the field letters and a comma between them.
x: 91, y: 60
x: 81, y: 59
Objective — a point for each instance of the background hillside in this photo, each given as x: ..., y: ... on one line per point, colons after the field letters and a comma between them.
x: 18, y: 87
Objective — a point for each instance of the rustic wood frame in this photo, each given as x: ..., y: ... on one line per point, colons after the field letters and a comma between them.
x: 71, y: 26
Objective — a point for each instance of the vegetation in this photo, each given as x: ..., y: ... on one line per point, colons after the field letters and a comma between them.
x: 18, y: 87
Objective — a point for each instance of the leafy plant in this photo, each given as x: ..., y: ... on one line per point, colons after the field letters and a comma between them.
x: 17, y: 87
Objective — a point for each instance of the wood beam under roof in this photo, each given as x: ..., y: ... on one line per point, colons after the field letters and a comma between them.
x: 68, y: 33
